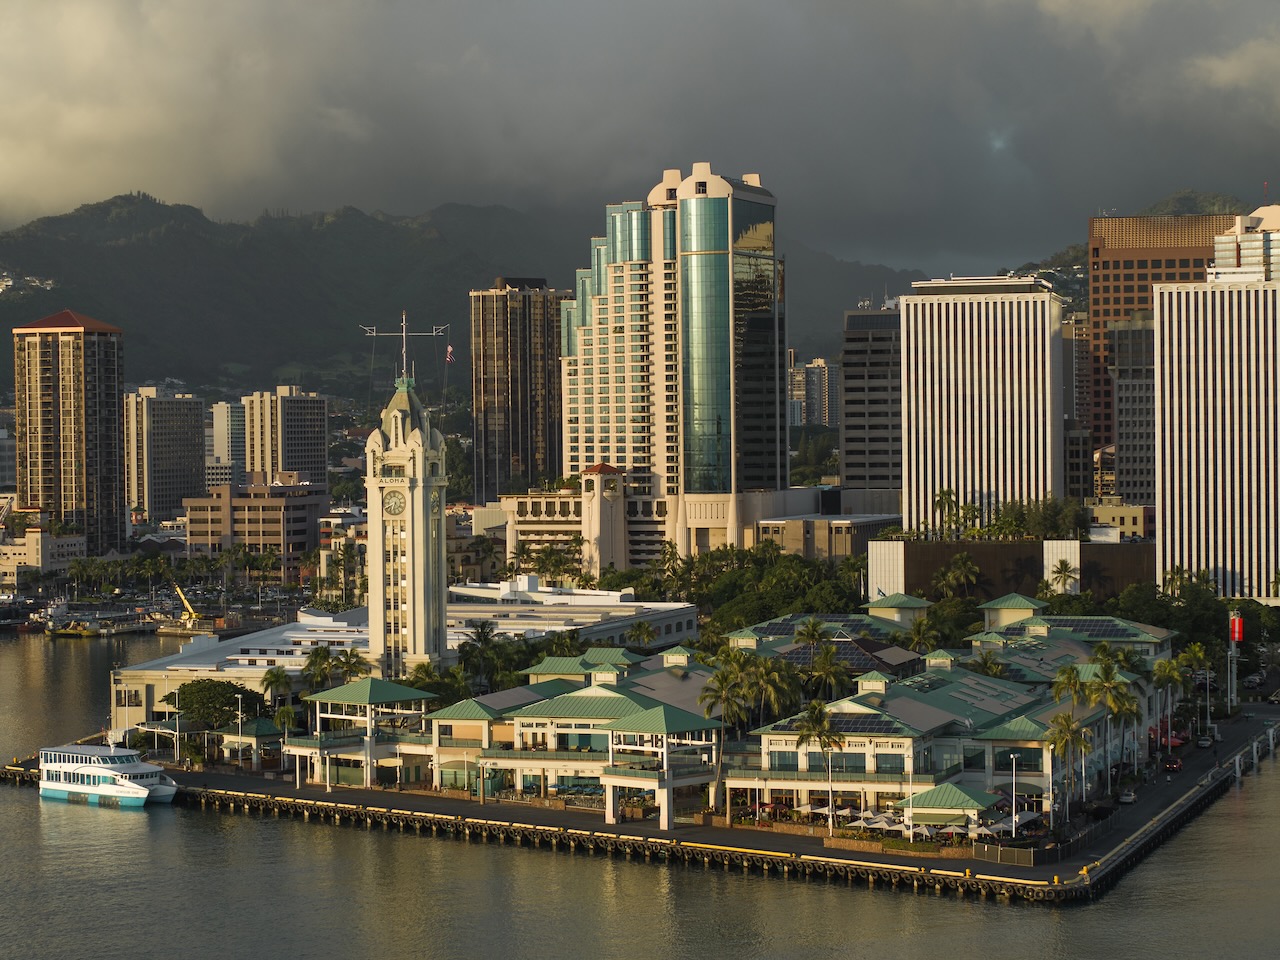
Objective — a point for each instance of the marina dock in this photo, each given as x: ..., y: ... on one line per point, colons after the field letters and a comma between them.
x: 1084, y: 873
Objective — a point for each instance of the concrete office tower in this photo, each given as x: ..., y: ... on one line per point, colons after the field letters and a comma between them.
x: 1133, y: 378
x: 983, y: 394
x: 164, y: 452
x: 67, y: 384
x: 674, y: 362
x: 405, y: 485
x: 287, y: 431
x: 1217, y: 424
x: 228, y: 433
x: 515, y: 385
x: 871, y: 408
x: 1127, y: 255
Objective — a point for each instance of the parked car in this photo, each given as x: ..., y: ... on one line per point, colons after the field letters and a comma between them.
x: 1173, y: 764
x: 1128, y: 796
x: 1205, y: 742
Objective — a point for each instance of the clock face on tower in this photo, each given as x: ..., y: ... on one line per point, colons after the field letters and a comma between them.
x: 393, y: 502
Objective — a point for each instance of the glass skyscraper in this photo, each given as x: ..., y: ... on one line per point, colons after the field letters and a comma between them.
x: 674, y: 360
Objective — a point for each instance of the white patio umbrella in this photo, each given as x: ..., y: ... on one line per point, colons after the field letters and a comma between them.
x: 955, y: 828
x: 922, y: 830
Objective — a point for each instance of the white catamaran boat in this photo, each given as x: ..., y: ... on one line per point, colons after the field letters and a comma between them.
x: 108, y: 776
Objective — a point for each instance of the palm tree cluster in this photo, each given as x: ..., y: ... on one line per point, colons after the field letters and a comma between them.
x: 1048, y: 519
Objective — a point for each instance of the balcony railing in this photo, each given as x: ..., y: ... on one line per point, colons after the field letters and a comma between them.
x: 461, y: 742
x: 843, y: 776
x: 539, y: 755
x: 402, y: 736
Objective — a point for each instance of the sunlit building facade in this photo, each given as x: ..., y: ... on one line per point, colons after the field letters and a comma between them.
x: 1217, y: 414
x: 674, y: 365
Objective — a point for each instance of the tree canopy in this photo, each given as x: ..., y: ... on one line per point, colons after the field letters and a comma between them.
x: 212, y: 703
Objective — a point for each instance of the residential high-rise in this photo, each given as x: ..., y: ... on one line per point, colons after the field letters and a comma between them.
x: 1217, y: 414
x: 983, y: 394
x: 515, y: 385
x: 871, y: 401
x: 164, y: 452
x: 674, y: 366
x: 67, y: 387
x: 405, y: 485
x: 814, y: 393
x: 1127, y: 255
x: 287, y: 431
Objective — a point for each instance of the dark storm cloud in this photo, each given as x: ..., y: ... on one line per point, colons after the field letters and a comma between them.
x: 956, y: 135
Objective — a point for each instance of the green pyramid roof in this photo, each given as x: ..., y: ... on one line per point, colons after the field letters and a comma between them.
x: 1013, y: 601
x: 679, y: 651
x: 370, y: 691
x: 876, y: 675
x: 254, y: 727
x: 898, y: 601
x: 950, y: 796
x: 614, y: 655
x: 663, y: 719
x: 1019, y: 728
x: 470, y: 709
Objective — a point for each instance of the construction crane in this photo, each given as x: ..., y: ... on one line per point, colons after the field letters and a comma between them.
x: 189, y: 615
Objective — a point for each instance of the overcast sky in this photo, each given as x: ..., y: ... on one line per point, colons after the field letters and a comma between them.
x: 953, y: 135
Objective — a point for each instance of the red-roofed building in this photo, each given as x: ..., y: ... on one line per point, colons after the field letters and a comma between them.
x: 67, y: 387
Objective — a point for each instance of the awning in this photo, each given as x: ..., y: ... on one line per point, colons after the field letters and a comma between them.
x: 939, y: 819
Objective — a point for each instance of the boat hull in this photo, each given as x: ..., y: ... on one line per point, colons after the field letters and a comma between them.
x: 93, y: 799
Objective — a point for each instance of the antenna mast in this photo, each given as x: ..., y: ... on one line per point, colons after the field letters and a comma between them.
x: 404, y: 336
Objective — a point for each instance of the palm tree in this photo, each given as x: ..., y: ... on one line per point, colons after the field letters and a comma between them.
x: 423, y: 676
x: 479, y: 653
x: 723, y: 692
x: 1067, y: 735
x: 987, y: 663
x: 1064, y: 575
x: 349, y: 665
x: 1068, y: 683
x: 944, y: 507
x: 814, y: 726
x: 1167, y: 674
x: 920, y: 637
x: 772, y: 680
x: 964, y: 573
x: 1196, y: 659
x: 828, y: 673
x: 1111, y: 690
x: 642, y: 634
x: 319, y: 668
x: 284, y: 719
x: 813, y: 632
x: 276, y: 682
x: 1128, y: 708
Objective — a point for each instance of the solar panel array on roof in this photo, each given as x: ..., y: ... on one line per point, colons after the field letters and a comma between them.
x: 853, y: 723
x: 850, y: 624
x: 802, y: 656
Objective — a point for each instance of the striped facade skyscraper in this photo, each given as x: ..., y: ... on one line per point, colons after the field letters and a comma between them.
x: 1217, y: 414
x: 983, y: 384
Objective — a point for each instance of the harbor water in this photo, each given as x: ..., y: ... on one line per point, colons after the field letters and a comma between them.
x: 173, y: 881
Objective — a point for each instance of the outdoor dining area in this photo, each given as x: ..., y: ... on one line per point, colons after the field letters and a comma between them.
x: 944, y: 814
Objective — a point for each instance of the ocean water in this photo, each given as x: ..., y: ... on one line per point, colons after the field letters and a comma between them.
x: 78, y: 881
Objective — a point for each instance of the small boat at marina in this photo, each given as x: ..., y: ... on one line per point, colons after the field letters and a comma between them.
x: 106, y: 776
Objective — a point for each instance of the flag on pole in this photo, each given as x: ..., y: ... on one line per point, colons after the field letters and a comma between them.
x: 448, y: 354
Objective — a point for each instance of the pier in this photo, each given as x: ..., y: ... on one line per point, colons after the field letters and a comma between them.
x: 1125, y: 841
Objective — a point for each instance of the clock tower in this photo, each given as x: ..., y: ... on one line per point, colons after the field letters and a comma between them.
x: 405, y: 486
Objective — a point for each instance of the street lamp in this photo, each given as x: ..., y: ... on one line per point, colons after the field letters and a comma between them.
x: 240, y: 730
x: 1013, y: 833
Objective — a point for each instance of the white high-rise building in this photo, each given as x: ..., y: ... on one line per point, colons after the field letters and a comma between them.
x: 1217, y: 383
x: 982, y: 394
x: 405, y: 484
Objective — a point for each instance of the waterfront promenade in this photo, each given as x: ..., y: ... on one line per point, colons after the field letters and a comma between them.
x: 1162, y: 806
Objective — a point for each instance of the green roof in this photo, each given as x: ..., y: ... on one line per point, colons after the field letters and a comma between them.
x: 679, y: 651
x: 370, y: 691
x: 1013, y: 601
x: 1019, y: 728
x: 606, y: 668
x: 465, y: 710
x: 876, y: 675
x: 940, y: 654
x: 615, y: 655
x: 950, y: 796
x: 255, y: 727
x: 661, y: 719
x: 898, y: 601
x: 559, y: 665
x: 590, y: 703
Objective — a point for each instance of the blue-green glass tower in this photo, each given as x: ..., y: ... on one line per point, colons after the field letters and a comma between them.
x: 674, y: 360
